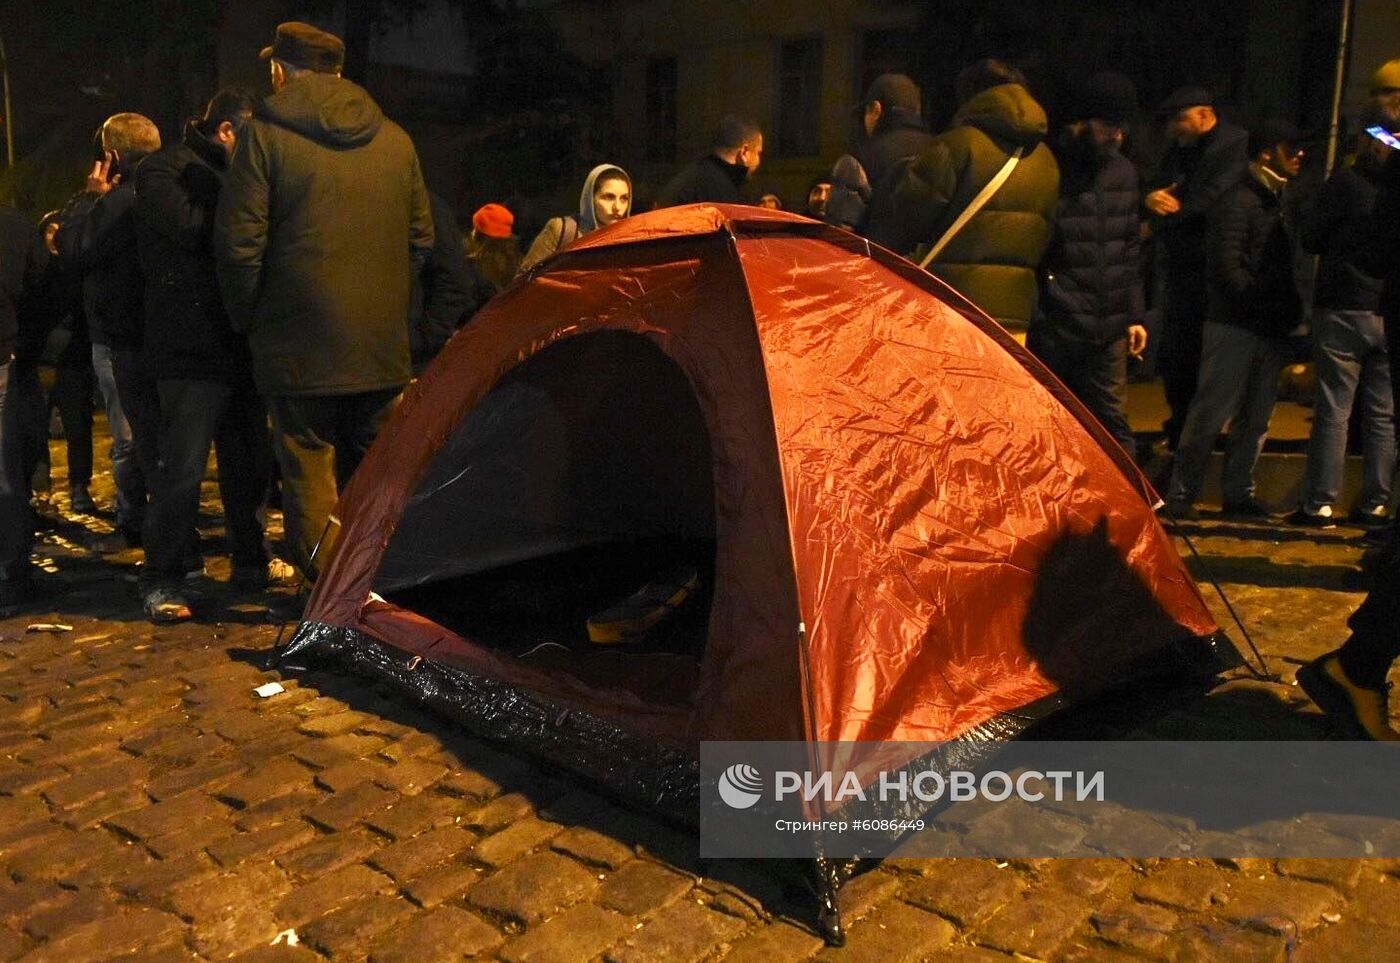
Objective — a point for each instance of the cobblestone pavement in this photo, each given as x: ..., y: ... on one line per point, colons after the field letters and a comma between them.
x: 153, y: 809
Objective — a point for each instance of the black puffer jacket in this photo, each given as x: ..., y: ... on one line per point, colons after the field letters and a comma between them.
x: 97, y: 238
x: 187, y: 329
x: 1249, y: 262
x: 1091, y: 280
x: 1339, y: 228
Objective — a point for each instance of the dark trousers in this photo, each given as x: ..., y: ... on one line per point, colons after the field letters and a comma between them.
x: 1179, y: 354
x: 72, y: 395
x: 193, y: 415
x: 1096, y: 373
x: 319, y: 441
x: 141, y: 403
x: 1375, y: 626
x: 16, y: 521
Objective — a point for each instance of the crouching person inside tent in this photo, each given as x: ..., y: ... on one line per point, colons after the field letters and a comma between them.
x: 606, y: 197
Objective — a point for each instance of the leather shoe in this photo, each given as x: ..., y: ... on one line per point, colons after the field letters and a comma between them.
x: 1358, y: 713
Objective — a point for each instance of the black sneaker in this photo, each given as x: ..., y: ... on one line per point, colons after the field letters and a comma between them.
x: 1322, y: 518
x: 1248, y: 508
x: 80, y: 500
x: 1180, y: 511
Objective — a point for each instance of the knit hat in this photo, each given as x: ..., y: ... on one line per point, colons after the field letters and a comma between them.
x: 894, y: 90
x: 1108, y: 96
x: 493, y: 220
x: 302, y: 45
x: 1387, y: 77
x: 1184, y: 97
x: 1270, y: 133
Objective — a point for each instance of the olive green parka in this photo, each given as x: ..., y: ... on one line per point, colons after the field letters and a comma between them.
x: 993, y: 260
x: 322, y: 209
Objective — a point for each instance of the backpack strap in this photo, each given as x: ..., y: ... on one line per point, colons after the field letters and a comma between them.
x: 568, y: 229
x: 978, y: 202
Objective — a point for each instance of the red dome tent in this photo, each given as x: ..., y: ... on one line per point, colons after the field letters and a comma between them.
x: 907, y: 529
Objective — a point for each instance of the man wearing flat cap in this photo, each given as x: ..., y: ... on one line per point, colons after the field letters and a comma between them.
x: 1207, y: 158
x: 321, y: 224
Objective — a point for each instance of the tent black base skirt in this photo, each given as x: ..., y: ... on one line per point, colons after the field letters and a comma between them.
x: 642, y: 771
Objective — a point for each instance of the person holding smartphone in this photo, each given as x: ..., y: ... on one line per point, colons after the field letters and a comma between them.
x: 1349, y: 683
x: 1352, y: 361
x: 97, y: 238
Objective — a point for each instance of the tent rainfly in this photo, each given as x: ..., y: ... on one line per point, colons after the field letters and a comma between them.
x: 903, y: 526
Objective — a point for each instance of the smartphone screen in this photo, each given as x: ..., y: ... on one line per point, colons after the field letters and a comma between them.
x: 1385, y: 137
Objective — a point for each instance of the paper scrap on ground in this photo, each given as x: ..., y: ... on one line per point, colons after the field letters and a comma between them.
x: 48, y: 627
x: 268, y: 690
x: 286, y: 936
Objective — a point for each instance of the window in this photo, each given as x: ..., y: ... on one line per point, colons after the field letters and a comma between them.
x: 661, y: 109
x: 799, y: 97
x: 882, y: 52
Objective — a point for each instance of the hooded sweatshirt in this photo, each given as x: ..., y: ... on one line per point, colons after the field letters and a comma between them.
x: 560, y: 231
x: 993, y: 260
x: 322, y: 209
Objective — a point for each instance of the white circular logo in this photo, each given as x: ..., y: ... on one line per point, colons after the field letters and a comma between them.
x: 740, y: 786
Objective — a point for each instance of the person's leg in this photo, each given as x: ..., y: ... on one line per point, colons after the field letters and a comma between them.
x: 1338, y: 362
x: 72, y: 395
x: 16, y: 522
x: 301, y: 440
x: 1180, y: 355
x: 1349, y: 684
x: 141, y: 402
x: 126, y: 473
x: 1219, y: 391
x: 1378, y: 419
x: 245, y: 455
x: 1101, y: 382
x: 189, y: 413
x: 361, y: 418
x: 1265, y: 358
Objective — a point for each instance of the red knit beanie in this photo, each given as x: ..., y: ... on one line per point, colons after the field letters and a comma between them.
x: 493, y: 220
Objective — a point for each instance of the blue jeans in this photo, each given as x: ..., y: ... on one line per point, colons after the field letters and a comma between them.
x: 1238, y: 383
x: 1351, y: 358
x: 126, y: 470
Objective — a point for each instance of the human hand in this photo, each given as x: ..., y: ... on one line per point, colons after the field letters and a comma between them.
x: 1137, y: 340
x: 1162, y: 202
x: 102, y: 179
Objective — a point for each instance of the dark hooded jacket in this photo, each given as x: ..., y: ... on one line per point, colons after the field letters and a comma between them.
x: 1339, y: 228
x: 187, y: 329
x: 1203, y: 172
x: 18, y: 269
x: 993, y: 260
x: 322, y: 209
x: 898, y: 139
x: 444, y: 292
x: 707, y: 179
x: 1091, y: 279
x: 1249, y: 261
x: 97, y: 240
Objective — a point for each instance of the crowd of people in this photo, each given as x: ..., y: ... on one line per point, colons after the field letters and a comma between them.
x: 269, y: 284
